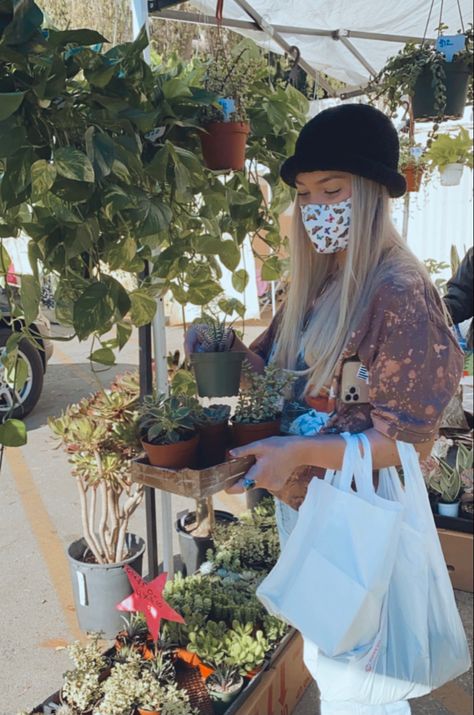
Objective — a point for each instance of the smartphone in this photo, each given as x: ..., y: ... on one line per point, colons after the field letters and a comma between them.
x: 354, y: 383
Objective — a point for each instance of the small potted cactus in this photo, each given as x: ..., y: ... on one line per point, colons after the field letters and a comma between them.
x: 167, y: 428
x: 223, y: 686
x: 216, y: 367
x: 447, y: 481
x: 213, y: 427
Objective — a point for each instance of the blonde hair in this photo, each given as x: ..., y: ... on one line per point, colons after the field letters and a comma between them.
x: 333, y: 308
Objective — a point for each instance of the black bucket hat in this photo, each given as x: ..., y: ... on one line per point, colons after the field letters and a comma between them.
x: 355, y: 138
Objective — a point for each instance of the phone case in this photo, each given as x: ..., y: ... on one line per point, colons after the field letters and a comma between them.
x: 354, y: 383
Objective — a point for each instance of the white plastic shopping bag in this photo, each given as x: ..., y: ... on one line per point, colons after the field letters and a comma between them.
x: 333, y: 574
x: 421, y: 642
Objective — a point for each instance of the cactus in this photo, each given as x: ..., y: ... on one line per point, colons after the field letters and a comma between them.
x: 215, y: 336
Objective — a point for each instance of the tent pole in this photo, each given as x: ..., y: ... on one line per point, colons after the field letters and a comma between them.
x: 140, y: 18
x: 354, y: 51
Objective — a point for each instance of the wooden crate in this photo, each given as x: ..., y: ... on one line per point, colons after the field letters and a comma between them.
x: 458, y: 552
x: 196, y: 483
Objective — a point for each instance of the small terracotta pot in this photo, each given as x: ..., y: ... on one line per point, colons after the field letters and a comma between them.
x: 141, y: 711
x: 413, y: 175
x: 243, y: 433
x: 213, y: 442
x: 173, y: 456
x: 223, y: 145
x: 194, y: 661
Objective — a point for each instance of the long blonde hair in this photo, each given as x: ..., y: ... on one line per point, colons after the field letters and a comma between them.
x: 325, y: 303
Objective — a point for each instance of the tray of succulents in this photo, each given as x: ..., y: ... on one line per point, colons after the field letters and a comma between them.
x: 196, y: 483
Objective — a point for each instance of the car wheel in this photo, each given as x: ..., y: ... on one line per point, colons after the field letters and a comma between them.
x: 29, y: 394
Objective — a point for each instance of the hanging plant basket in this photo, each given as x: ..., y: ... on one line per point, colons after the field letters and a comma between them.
x: 217, y: 374
x: 451, y: 175
x: 413, y: 174
x: 424, y: 100
x: 223, y: 145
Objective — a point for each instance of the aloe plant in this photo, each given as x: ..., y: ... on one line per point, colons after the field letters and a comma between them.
x: 448, y: 480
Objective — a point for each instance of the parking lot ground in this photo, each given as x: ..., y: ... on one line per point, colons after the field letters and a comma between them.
x: 39, y: 510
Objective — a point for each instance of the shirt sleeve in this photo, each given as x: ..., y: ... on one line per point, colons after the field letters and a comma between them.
x: 414, y: 363
x: 263, y: 344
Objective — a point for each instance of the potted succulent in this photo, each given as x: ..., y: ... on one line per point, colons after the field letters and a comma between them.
x: 216, y: 368
x: 213, y: 427
x: 412, y: 163
x: 135, y: 636
x: 450, y: 154
x: 437, y: 88
x: 100, y: 436
x: 447, y: 481
x: 224, y: 685
x: 229, y: 77
x: 168, y: 432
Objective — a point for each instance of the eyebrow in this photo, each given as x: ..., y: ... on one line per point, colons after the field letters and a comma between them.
x: 324, y: 181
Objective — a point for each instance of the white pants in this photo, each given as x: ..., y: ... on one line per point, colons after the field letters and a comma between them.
x: 286, y: 518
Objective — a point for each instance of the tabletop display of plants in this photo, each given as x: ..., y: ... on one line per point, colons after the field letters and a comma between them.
x: 227, y: 634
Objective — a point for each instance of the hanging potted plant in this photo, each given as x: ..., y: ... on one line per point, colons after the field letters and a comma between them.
x: 448, y: 483
x: 99, y: 435
x: 412, y: 163
x: 223, y: 686
x: 167, y: 428
x: 437, y: 88
x: 216, y: 367
x: 225, y: 130
x: 450, y: 154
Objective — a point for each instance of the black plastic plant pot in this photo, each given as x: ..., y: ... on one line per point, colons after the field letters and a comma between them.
x: 457, y: 80
x: 193, y: 549
x: 217, y: 374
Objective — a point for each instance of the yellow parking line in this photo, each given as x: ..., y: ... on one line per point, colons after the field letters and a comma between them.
x: 49, y: 543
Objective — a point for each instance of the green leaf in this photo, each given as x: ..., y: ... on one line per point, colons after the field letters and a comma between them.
x: 43, y: 176
x: 92, y: 311
x: 9, y: 103
x: 104, y: 356
x: 83, y: 36
x: 101, y: 151
x: 271, y: 269
x: 203, y: 293
x: 158, y: 217
x: 13, y: 433
x: 118, y: 295
x: 229, y: 254
x: 74, y: 164
x: 143, y: 307
x: 175, y: 88
x: 240, y: 280
x: 5, y: 260
x: 30, y: 293
x: 124, y: 331
x: 121, y: 255
x: 17, y: 373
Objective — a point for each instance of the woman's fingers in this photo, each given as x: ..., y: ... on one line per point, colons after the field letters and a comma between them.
x: 252, y: 475
x: 254, y: 449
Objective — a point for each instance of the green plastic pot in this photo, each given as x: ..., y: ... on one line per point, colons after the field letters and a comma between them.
x: 457, y: 80
x: 217, y: 374
x: 221, y: 701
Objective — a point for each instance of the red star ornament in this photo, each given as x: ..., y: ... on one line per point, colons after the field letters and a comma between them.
x: 148, y: 599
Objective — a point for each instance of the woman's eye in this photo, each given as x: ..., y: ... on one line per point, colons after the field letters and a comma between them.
x: 302, y: 196
x: 332, y: 193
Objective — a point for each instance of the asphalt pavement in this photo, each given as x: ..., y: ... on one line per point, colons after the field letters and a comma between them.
x: 39, y: 510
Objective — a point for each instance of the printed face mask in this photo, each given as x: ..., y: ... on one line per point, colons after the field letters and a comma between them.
x: 327, y: 225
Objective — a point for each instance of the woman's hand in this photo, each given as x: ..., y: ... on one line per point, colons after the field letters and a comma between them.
x: 276, y: 460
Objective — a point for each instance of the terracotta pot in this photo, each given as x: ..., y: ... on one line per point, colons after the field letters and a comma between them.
x: 194, y: 661
x: 173, y: 456
x: 213, y: 442
x: 141, y: 711
x: 243, y: 433
x: 413, y: 175
x: 223, y: 145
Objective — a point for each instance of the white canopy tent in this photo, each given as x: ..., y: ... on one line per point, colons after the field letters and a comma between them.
x: 349, y: 40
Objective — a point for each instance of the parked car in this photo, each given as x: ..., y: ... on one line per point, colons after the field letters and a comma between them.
x: 35, y: 357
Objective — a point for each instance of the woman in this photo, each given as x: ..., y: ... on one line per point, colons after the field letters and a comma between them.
x: 357, y: 295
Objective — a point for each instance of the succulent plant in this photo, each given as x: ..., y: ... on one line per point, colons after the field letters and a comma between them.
x: 119, y: 689
x: 224, y: 678
x: 81, y: 688
x: 214, y: 414
x: 215, y: 335
x: 161, y: 666
x: 274, y: 628
x: 167, y: 420
x: 136, y: 629
x: 245, y: 647
x: 208, y: 642
x: 447, y: 480
x: 262, y: 398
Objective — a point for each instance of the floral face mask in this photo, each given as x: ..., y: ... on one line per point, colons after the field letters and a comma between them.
x: 327, y: 225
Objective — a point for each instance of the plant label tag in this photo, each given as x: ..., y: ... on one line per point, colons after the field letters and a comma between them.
x: 449, y: 45
x: 228, y: 107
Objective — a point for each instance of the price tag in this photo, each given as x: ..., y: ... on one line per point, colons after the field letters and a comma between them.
x: 228, y: 107
x: 449, y: 45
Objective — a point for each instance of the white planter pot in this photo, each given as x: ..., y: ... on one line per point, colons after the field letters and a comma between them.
x: 448, y: 509
x: 451, y: 175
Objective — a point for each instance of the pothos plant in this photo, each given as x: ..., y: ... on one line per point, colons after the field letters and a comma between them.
x: 101, y: 167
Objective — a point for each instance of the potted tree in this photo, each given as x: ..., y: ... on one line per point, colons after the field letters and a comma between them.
x: 450, y: 154
x: 217, y: 370
x: 412, y: 163
x: 447, y: 481
x: 437, y: 88
x: 167, y: 428
x: 99, y: 435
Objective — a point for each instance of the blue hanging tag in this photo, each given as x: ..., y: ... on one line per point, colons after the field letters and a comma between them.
x: 228, y: 107
x: 449, y: 45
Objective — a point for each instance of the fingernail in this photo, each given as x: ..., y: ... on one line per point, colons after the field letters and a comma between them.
x: 231, y: 452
